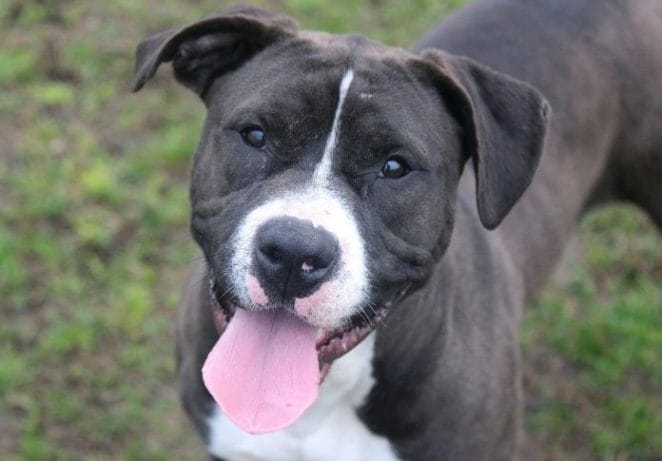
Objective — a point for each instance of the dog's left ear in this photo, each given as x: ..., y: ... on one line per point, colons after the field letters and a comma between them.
x: 211, y: 46
x: 504, y: 122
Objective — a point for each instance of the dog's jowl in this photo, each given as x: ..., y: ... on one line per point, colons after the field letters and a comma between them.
x: 373, y: 220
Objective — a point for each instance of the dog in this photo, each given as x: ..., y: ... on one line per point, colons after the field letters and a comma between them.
x: 365, y: 288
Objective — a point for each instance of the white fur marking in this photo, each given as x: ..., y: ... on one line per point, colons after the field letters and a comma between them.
x: 349, y: 284
x: 328, y: 431
x: 323, y: 169
x: 317, y: 203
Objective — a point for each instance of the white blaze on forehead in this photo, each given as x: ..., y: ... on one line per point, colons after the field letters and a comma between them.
x: 323, y: 169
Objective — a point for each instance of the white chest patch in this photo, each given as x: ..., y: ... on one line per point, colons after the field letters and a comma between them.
x: 328, y: 431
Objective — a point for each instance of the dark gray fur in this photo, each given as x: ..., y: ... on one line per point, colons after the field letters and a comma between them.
x: 447, y: 366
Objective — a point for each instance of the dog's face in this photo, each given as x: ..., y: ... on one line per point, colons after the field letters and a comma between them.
x: 304, y: 180
x: 325, y: 180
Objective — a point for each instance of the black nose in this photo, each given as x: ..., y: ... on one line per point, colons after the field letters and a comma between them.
x: 293, y: 257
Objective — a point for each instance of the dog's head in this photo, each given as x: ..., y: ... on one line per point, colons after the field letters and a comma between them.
x: 325, y: 181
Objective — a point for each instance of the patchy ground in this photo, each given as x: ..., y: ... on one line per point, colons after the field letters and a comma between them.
x: 94, y: 247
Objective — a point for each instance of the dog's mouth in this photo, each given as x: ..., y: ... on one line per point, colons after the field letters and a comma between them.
x: 267, y: 365
x: 330, y: 344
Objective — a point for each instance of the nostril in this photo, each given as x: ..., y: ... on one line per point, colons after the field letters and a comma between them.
x: 272, y: 252
x: 324, y: 258
x: 308, y: 265
x: 317, y: 262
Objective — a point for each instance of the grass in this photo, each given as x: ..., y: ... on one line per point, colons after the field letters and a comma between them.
x: 593, y: 344
x: 94, y: 248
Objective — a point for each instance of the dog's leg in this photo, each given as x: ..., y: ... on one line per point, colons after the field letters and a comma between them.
x: 634, y: 174
x: 195, y: 336
x: 634, y: 171
x: 642, y: 184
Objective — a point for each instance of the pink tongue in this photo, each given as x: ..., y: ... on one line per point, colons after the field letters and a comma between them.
x: 264, y: 370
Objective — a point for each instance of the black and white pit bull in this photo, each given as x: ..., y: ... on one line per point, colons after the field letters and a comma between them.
x: 365, y: 288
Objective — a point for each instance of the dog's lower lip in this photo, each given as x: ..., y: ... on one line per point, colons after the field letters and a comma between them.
x: 222, y: 312
x: 335, y: 343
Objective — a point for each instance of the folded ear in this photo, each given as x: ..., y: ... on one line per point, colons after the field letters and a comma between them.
x: 504, y: 122
x: 211, y: 46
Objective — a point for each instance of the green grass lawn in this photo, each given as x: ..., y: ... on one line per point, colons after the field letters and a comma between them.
x: 94, y: 248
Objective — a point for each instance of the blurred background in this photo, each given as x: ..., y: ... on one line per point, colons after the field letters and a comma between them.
x: 94, y: 248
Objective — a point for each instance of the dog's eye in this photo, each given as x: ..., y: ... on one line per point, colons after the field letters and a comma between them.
x: 394, y: 168
x: 254, y: 136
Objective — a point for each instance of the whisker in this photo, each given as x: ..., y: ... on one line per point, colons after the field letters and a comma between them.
x: 199, y: 282
x: 364, y: 314
x: 374, y: 310
x: 228, y: 290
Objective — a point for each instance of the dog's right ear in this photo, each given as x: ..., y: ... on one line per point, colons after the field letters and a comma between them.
x: 207, y: 48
